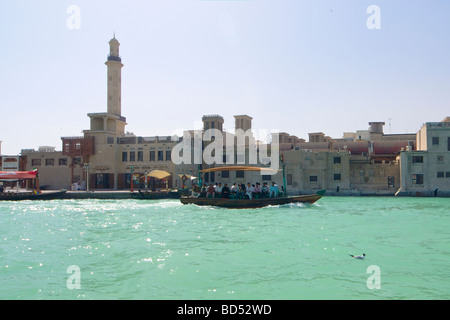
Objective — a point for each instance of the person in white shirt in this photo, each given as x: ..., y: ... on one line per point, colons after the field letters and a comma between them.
x: 234, y: 188
x: 249, y: 191
x: 219, y: 190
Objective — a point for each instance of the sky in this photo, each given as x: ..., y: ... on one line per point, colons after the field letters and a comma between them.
x: 295, y: 66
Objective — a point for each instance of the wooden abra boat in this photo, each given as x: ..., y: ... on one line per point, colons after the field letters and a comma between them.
x: 253, y: 203
x: 250, y: 203
x: 45, y: 195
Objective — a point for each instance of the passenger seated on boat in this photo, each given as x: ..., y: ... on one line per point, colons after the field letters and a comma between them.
x: 225, y: 191
x: 241, y: 192
x: 265, y: 190
x: 274, y: 191
x: 234, y: 189
x: 249, y: 191
x: 218, y: 190
x: 1, y: 189
x: 210, y: 191
x: 203, y: 191
x: 257, y: 190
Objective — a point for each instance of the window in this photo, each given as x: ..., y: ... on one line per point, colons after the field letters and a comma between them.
x: 448, y: 143
x: 132, y: 156
x: 417, y: 159
x: 239, y: 174
x: 266, y: 177
x: 35, y: 162
x: 49, y: 162
x: 417, y: 178
x: 62, y: 161
x: 391, y: 182
x: 124, y: 156
x: 337, y: 177
x: 440, y: 174
x: 160, y: 156
x: 435, y: 141
x: 225, y: 174
x: 77, y: 160
x: 312, y: 178
x: 337, y: 160
x: 447, y: 174
x: 289, y: 179
x: 99, y: 179
x: 110, y: 140
x: 152, y: 155
x: 140, y: 155
x: 168, y: 155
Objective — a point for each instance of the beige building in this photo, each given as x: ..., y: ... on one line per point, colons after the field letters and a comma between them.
x: 426, y: 171
x: 54, y: 168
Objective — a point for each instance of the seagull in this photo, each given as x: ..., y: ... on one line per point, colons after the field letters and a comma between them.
x: 358, y: 257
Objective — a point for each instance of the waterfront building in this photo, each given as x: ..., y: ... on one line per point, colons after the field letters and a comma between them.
x: 56, y: 170
x: 364, y: 162
x: 366, y: 159
x: 426, y: 170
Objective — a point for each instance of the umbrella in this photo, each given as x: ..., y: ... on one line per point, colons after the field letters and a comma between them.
x: 159, y: 174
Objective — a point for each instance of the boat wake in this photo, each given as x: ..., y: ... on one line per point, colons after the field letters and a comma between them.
x: 290, y: 205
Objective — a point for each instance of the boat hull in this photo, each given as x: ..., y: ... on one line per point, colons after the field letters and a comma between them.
x: 254, y: 203
x: 32, y: 196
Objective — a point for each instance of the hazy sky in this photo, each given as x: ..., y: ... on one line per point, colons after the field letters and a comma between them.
x: 298, y: 66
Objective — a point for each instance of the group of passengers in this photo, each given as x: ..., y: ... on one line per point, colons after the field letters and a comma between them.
x: 240, y: 191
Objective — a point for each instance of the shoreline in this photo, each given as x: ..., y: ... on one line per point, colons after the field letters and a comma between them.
x: 176, y: 194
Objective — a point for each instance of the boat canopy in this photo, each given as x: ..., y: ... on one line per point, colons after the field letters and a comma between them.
x: 17, y: 175
x: 238, y: 168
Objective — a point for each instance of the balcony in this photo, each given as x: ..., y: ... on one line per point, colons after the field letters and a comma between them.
x: 114, y: 58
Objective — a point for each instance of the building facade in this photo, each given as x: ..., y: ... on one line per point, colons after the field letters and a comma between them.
x: 426, y: 171
x: 365, y: 162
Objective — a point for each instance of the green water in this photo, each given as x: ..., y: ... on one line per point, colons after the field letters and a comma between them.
x: 131, y: 249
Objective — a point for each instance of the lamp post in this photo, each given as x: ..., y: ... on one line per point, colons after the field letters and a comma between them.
x: 131, y: 180
x: 145, y: 180
x: 86, y: 167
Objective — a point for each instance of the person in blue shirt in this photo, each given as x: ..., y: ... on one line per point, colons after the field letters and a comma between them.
x: 274, y: 190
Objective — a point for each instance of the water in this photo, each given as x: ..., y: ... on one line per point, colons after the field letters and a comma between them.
x: 134, y: 249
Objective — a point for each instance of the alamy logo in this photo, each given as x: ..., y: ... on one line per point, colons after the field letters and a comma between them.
x: 240, y: 148
x: 74, y: 280
x: 374, y: 280
x: 374, y: 20
x: 74, y: 20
